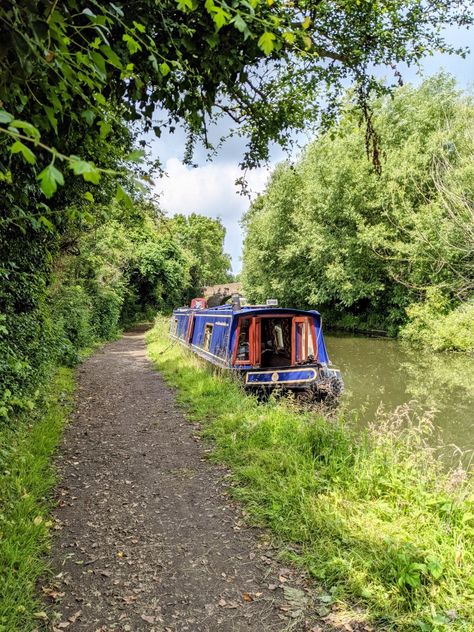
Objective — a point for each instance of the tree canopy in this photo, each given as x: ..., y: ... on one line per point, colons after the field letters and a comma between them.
x: 203, y: 239
x: 372, y: 251
x: 270, y: 65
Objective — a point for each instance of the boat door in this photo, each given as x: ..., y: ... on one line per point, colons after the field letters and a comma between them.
x: 256, y: 337
x: 303, y: 339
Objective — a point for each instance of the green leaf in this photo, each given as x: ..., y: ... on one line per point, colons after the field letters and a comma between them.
x: 132, y: 44
x: 105, y: 129
x: 241, y: 25
x: 220, y: 17
x: 86, y: 169
x: 435, y: 568
x: 88, y: 116
x: 165, y: 69
x: 267, y: 42
x: 185, y: 5
x: 101, y: 100
x: 117, y: 9
x: 99, y: 62
x: 112, y: 57
x: 135, y: 156
x: 28, y: 128
x: 6, y: 176
x: 53, y: 121
x: 19, y: 147
x: 46, y: 222
x: 88, y: 196
x: 139, y: 27
x: 123, y: 196
x: 5, y: 117
x: 49, y: 179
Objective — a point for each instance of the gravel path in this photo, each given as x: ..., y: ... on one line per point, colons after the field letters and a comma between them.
x: 147, y: 538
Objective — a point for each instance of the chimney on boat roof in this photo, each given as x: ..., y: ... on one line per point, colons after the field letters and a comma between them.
x: 235, y: 299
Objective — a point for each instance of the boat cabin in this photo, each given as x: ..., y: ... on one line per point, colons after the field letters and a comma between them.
x: 269, y: 345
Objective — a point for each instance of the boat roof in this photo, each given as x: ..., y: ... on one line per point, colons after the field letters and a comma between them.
x: 248, y: 309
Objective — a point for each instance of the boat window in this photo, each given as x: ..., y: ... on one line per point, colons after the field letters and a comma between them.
x: 243, y: 343
x: 207, y: 336
x: 174, y: 327
x: 304, y: 340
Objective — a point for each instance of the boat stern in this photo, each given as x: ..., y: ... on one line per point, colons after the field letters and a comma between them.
x: 321, y: 379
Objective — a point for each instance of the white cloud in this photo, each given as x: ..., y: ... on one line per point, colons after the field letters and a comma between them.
x: 211, y: 190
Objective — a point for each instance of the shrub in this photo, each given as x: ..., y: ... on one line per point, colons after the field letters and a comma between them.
x: 105, y: 315
x: 432, y: 325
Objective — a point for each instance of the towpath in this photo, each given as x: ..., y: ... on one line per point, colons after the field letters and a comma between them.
x: 147, y: 537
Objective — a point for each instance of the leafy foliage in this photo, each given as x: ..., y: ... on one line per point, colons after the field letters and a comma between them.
x: 125, y: 268
x: 368, y: 248
x: 265, y: 64
x: 203, y: 240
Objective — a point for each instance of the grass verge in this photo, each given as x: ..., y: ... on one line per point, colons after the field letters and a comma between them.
x: 372, y: 516
x: 26, y: 478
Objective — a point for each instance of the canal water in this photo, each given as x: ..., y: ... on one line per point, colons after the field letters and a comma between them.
x: 380, y: 371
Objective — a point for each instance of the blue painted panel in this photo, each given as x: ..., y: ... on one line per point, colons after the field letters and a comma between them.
x: 284, y: 377
x: 206, y: 355
x: 219, y: 345
x: 322, y: 353
x: 220, y: 338
x: 182, y: 327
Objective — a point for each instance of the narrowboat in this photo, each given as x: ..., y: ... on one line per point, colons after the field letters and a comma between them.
x: 268, y: 346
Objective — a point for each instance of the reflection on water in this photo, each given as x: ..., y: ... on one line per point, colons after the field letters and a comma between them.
x: 380, y: 371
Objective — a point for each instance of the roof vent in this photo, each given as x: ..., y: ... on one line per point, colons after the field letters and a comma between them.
x: 272, y: 302
x: 235, y: 300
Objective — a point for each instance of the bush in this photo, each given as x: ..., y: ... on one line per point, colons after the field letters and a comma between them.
x: 432, y: 325
x: 106, y: 310
x: 71, y: 309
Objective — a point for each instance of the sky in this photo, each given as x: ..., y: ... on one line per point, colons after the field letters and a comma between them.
x: 210, y: 189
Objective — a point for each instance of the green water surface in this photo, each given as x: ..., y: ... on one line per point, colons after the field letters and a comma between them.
x: 383, y: 372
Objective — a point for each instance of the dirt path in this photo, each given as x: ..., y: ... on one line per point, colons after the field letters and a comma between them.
x: 147, y: 538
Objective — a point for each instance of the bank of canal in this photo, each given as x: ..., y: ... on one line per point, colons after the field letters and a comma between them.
x: 381, y: 371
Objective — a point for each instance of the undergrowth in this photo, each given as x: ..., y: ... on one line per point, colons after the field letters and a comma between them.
x: 371, y: 515
x: 26, y: 446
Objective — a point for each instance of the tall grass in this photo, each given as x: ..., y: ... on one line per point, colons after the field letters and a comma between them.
x: 371, y: 515
x: 26, y: 478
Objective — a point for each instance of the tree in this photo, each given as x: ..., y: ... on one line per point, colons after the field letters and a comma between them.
x: 270, y: 66
x: 203, y: 240
x: 364, y: 248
